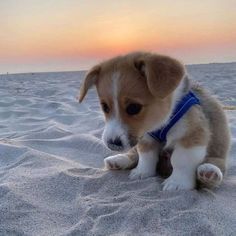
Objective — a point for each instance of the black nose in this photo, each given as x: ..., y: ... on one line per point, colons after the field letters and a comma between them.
x: 115, y: 143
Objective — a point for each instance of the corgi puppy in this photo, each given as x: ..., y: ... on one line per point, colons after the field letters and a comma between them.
x: 150, y: 105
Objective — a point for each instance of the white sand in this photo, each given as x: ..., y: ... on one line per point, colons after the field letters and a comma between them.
x: 51, y: 159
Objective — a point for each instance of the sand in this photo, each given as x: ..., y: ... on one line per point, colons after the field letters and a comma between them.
x: 52, y: 180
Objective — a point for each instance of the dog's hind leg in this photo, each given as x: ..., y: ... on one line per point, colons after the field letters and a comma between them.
x: 210, y: 173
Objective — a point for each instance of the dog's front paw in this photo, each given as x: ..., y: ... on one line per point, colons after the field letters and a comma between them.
x: 209, y: 174
x: 117, y: 162
x: 179, y: 183
x: 138, y: 173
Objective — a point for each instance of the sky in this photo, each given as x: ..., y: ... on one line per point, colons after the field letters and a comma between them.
x: 67, y: 35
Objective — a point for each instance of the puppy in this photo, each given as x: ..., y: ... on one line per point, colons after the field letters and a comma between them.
x: 150, y: 105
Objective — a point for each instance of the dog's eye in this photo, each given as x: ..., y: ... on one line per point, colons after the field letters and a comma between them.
x: 105, y: 107
x: 133, y: 109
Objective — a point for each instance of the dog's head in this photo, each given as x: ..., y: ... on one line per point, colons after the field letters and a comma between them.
x: 135, y: 92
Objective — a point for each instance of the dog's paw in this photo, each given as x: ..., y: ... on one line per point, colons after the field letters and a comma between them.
x: 179, y: 182
x: 117, y: 162
x: 137, y: 173
x: 209, y: 174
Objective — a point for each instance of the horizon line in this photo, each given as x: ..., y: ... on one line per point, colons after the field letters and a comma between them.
x: 84, y: 70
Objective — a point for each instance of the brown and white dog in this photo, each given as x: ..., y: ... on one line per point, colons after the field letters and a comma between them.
x: 138, y: 93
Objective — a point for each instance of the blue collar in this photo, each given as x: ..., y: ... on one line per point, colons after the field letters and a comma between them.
x: 180, y: 109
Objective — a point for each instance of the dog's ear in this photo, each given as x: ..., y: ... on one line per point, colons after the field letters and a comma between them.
x: 89, y: 81
x: 163, y: 73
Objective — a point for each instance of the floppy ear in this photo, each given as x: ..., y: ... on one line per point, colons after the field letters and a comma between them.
x: 89, y: 81
x: 163, y: 73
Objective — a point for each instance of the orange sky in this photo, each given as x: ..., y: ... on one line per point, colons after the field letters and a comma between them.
x: 57, y: 35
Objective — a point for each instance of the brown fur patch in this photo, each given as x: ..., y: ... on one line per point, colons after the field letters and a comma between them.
x: 145, y: 146
x: 133, y: 155
x: 163, y: 73
x: 89, y: 81
x: 198, y: 133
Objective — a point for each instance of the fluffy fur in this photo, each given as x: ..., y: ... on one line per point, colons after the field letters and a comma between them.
x: 199, y: 141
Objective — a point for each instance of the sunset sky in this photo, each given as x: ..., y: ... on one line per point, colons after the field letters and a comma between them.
x: 62, y: 35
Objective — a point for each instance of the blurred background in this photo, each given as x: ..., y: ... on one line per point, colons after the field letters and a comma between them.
x: 68, y: 35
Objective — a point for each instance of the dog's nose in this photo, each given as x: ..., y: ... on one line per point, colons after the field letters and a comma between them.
x: 115, y: 143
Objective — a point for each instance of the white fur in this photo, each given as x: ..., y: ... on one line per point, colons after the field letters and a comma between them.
x: 115, y: 81
x: 209, y: 173
x: 146, y: 164
x: 179, y: 129
x: 185, y: 162
x: 178, y: 93
x: 176, y: 132
x: 114, y: 127
x: 117, y: 162
x: 148, y: 138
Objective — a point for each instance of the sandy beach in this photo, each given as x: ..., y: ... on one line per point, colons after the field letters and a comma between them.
x: 52, y: 180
